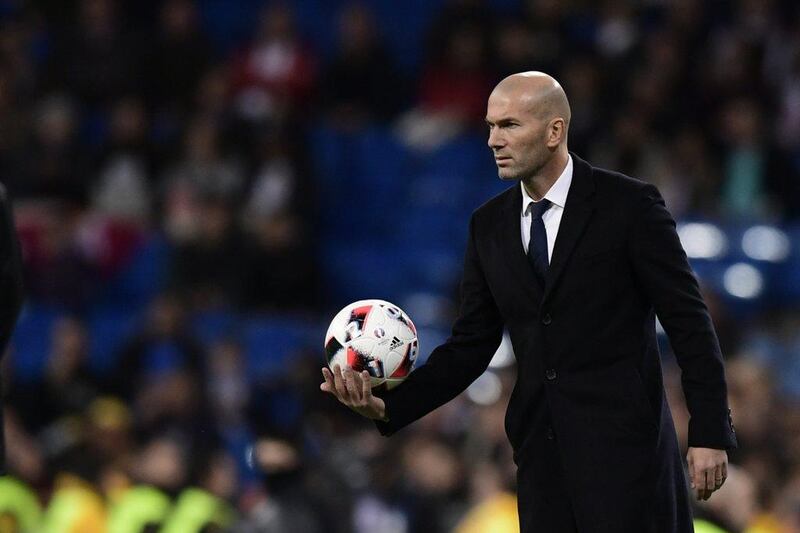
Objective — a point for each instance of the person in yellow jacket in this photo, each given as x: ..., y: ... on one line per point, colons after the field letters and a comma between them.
x: 75, y: 507
x: 20, y: 511
x: 498, y: 514
x: 197, y: 509
x: 704, y: 526
x: 137, y: 508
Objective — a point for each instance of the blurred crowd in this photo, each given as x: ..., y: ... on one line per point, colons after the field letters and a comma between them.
x: 164, y: 163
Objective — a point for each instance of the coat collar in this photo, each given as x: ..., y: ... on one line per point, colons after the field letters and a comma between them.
x: 577, y: 213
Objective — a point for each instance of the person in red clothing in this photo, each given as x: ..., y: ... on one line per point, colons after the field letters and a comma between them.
x: 452, y: 92
x: 277, y: 71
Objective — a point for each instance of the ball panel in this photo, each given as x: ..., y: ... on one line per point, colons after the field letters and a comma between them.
x: 403, y: 369
x: 332, y: 347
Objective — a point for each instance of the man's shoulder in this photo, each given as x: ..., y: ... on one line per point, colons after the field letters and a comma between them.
x: 495, y: 205
x: 613, y: 183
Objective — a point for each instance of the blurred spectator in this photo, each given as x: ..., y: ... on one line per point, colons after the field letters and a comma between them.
x: 788, y: 506
x: 97, y: 57
x: 634, y: 148
x: 210, y: 269
x: 58, y: 271
x: 693, y: 182
x: 179, y: 58
x: 18, y: 79
x: 752, y: 173
x: 617, y: 31
x: 362, y: 84
x: 210, y: 98
x: 20, y: 37
x: 435, y: 483
x: 516, y: 51
x: 497, y: 513
x: 199, y: 196
x: 120, y: 119
x: 453, y: 17
x: 24, y: 455
x: 163, y: 463
x: 110, y: 438
x: 581, y: 80
x: 458, y: 82
x: 204, y: 506
x: 289, y: 505
x: 452, y: 92
x: 276, y: 74
x: 161, y: 371
x: 203, y: 170
x: 19, y: 507
x: 547, y: 23
x: 281, y: 270
x: 67, y: 386
x: 122, y: 187
x: 228, y: 388
x: 53, y: 165
x: 75, y: 505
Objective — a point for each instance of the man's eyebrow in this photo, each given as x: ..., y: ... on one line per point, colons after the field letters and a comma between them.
x: 501, y: 121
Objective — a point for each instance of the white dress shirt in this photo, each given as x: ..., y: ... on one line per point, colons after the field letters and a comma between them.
x: 552, y: 217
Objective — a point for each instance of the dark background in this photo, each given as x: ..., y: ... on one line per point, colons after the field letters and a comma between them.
x: 200, y: 186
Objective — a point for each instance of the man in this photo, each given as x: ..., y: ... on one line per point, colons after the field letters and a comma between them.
x: 10, y: 291
x: 576, y: 262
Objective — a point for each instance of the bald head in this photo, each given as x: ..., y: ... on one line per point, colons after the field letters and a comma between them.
x: 528, y: 118
x: 538, y: 92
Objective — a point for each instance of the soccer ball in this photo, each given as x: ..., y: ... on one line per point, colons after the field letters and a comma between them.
x: 376, y: 336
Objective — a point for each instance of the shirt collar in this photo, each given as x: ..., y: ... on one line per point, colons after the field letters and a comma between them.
x: 557, y: 193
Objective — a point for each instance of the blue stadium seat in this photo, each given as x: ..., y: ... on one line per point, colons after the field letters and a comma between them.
x: 229, y: 24
x: 142, y: 280
x: 108, y: 329
x: 435, y: 269
x: 467, y: 156
x: 446, y: 191
x: 270, y: 343
x: 432, y: 228
x: 402, y: 28
x: 212, y: 326
x: 357, y: 272
x: 30, y: 344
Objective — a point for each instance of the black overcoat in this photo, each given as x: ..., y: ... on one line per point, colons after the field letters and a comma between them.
x: 589, y: 385
x: 10, y: 292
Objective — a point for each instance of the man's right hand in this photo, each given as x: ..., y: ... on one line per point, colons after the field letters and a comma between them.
x: 353, y: 390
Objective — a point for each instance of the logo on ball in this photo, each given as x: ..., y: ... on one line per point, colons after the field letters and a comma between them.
x: 376, y: 336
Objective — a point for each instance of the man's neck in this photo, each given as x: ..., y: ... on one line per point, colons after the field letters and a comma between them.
x: 538, y: 185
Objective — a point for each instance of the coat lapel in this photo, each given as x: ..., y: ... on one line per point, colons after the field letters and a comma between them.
x: 511, y: 241
x: 577, y: 212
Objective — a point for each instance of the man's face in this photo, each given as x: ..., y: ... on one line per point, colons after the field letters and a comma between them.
x: 517, y: 136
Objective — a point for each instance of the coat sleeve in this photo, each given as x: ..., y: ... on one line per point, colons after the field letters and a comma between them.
x: 10, y: 273
x: 451, y: 367
x: 662, y: 269
x: 10, y: 290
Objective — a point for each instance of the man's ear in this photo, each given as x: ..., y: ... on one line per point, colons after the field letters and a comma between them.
x: 556, y: 132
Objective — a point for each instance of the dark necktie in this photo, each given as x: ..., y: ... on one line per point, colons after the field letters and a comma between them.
x: 537, y: 246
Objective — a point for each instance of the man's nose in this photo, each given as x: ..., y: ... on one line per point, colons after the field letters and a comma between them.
x: 495, y: 139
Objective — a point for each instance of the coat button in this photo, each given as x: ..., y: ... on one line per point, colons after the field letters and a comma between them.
x: 546, y: 319
x: 550, y: 374
x: 550, y: 434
